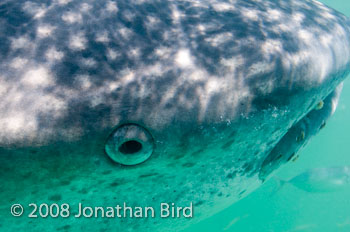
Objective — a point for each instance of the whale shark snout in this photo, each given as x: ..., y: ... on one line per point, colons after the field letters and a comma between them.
x: 144, y: 102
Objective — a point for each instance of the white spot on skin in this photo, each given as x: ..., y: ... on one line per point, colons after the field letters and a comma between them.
x: 21, y: 108
x: 153, y: 20
x: 212, y: 86
x: 272, y: 47
x: 78, y: 42
x: 298, y: 17
x: 297, y: 58
x: 219, y: 39
x: 63, y: 2
x: 128, y: 76
x: 233, y: 63
x: 34, y: 9
x: 113, y: 86
x: 18, y: 63
x: 111, y: 54
x: 52, y: 54
x: 85, y: 7
x: 176, y: 15
x: 112, y: 7
x: 103, y: 38
x: 183, y: 58
x: 326, y: 40
x: 40, y: 13
x: 15, y: 123
x: 84, y: 82
x: 163, y: 52
x: 273, y: 15
x: 90, y: 62
x: 220, y: 7
x: 197, y: 76
x: 283, y: 27
x: 155, y: 70
x: 305, y: 36
x: 328, y: 15
x: 250, y: 14
x: 260, y: 68
x: 72, y: 17
x: 21, y: 42
x: 129, y: 15
x: 201, y: 28
x: 44, y: 31
x: 135, y: 53
x: 96, y: 100
x: 152, y: 23
x: 125, y: 33
x: 39, y: 77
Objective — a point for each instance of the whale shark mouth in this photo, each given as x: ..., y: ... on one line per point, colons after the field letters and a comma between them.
x: 130, y: 147
x: 130, y: 144
x: 299, y: 134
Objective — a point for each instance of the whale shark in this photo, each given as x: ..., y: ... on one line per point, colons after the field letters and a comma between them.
x: 192, y: 104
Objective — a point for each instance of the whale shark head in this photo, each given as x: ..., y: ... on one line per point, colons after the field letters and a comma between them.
x: 144, y: 102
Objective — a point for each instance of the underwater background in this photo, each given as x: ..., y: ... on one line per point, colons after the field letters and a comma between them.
x: 290, y: 208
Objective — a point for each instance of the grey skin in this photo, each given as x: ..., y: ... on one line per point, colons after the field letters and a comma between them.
x: 204, y: 90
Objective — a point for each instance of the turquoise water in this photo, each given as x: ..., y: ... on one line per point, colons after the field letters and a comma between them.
x: 292, y: 209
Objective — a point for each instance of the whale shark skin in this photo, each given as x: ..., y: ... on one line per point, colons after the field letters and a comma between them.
x: 228, y: 91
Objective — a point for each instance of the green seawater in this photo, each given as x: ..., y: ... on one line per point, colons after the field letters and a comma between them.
x: 292, y: 209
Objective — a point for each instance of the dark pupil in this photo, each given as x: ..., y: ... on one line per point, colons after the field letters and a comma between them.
x: 130, y: 147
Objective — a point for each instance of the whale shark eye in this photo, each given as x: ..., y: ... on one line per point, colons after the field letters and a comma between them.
x: 129, y: 144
